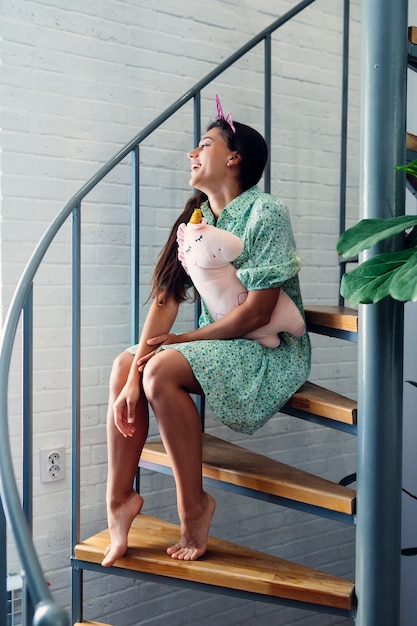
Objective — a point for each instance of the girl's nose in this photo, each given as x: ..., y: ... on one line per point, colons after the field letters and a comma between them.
x: 192, y: 153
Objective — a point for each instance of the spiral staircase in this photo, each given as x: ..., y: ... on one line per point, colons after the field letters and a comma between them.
x: 227, y: 568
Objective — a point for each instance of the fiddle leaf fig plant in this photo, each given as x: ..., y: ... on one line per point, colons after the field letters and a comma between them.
x: 389, y: 273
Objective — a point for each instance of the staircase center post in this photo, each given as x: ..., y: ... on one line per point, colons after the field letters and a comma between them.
x: 382, y: 195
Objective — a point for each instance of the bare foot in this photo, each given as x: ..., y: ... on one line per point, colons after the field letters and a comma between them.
x: 194, y: 533
x: 120, y: 520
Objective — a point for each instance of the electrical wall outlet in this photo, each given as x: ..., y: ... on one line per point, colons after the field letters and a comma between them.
x: 52, y: 464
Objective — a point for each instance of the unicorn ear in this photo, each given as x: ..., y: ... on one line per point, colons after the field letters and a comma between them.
x: 196, y: 217
x: 197, y: 220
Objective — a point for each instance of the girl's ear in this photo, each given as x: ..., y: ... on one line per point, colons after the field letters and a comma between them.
x: 235, y: 159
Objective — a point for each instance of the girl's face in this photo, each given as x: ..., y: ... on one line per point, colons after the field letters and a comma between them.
x: 209, y: 162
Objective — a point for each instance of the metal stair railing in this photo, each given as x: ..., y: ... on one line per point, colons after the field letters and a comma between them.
x: 18, y: 515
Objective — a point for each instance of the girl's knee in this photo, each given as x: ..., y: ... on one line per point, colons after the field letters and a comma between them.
x: 121, y: 366
x: 151, y: 377
x: 168, y: 370
x: 160, y: 372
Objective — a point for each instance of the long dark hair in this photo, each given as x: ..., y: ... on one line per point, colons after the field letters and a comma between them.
x: 169, y: 277
x: 251, y: 146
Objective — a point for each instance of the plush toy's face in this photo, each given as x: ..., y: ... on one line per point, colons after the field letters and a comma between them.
x: 207, y: 246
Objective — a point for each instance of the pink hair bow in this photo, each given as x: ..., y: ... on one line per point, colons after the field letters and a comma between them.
x: 220, y: 114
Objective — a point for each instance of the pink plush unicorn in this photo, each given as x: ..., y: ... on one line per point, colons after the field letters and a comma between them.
x: 205, y: 253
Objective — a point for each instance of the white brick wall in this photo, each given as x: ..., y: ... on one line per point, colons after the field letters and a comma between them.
x: 79, y: 80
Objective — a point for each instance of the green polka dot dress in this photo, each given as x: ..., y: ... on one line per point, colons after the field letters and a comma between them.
x: 246, y: 383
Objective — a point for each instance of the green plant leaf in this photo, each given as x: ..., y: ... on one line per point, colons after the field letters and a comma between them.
x: 371, y: 280
x: 404, y: 281
x: 368, y: 232
x: 408, y: 168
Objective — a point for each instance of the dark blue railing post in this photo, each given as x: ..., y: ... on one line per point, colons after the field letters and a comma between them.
x: 383, y: 114
x: 134, y: 244
x: 343, y: 131
x: 197, y: 118
x: 267, y: 108
x: 28, y: 406
x: 27, y: 429
x: 201, y: 401
x: 76, y: 582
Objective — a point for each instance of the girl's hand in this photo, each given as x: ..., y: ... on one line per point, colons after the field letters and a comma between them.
x: 164, y: 340
x: 124, y: 409
x: 160, y: 340
x: 144, y: 359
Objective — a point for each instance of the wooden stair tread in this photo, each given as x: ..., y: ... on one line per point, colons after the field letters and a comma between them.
x: 412, y: 34
x: 411, y: 141
x: 236, y: 465
x: 336, y: 317
x: 319, y: 401
x: 88, y: 623
x: 225, y: 565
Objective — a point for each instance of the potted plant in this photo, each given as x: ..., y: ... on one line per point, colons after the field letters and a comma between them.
x: 387, y: 274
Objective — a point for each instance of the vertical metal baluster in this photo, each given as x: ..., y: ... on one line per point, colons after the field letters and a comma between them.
x: 197, y: 118
x: 135, y: 244
x: 267, y: 109
x: 201, y: 400
x: 135, y: 259
x: 27, y: 451
x: 77, y: 574
x: 344, y: 127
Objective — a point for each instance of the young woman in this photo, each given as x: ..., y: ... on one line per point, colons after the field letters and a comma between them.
x: 245, y: 383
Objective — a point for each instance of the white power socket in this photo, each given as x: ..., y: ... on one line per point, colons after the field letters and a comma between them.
x: 52, y: 464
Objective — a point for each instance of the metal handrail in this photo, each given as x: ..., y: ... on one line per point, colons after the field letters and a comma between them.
x: 47, y: 613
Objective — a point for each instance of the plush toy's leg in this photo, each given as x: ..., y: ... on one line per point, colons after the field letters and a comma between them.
x: 270, y: 341
x: 286, y: 316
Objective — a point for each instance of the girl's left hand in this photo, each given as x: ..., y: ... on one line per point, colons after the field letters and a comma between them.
x: 160, y: 340
x: 163, y: 340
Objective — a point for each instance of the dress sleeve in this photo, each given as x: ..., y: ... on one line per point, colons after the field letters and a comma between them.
x: 270, y: 256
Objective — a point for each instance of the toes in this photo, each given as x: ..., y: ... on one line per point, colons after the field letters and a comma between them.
x: 112, y: 554
x: 189, y: 555
x: 184, y: 553
x: 173, y: 549
x: 180, y: 555
x: 107, y: 561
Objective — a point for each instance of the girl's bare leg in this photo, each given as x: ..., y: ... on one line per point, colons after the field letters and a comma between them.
x: 123, y: 503
x: 168, y: 380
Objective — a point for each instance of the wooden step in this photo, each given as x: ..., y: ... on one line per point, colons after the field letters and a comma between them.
x: 231, y: 464
x: 226, y: 567
x: 335, y: 321
x: 411, y: 142
x: 412, y: 34
x: 314, y: 400
x: 87, y: 623
x: 341, y: 317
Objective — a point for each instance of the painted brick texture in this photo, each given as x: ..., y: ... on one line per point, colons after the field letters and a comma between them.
x: 79, y: 80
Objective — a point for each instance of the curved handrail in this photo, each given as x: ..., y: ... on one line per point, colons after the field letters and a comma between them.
x: 47, y: 613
